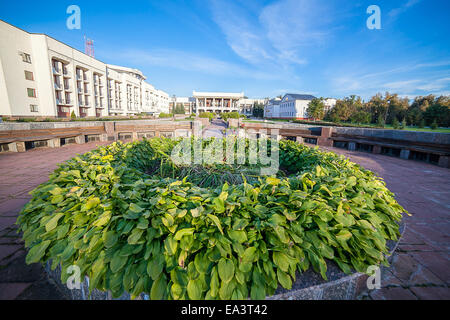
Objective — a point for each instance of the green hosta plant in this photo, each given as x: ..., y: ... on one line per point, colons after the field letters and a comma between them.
x: 125, y: 217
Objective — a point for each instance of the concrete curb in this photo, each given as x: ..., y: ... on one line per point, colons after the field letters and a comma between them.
x: 308, y: 286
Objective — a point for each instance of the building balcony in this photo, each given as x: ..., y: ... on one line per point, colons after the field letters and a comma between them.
x: 56, y: 71
x: 66, y: 73
x: 60, y: 102
x: 86, y: 79
x: 68, y: 88
x: 79, y: 77
x: 87, y: 92
x: 57, y: 86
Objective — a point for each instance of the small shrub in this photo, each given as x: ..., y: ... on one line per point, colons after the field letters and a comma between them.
x: 403, y: 124
x: 208, y: 115
x: 395, y: 123
x: 165, y: 115
x: 434, y: 125
x: 422, y: 123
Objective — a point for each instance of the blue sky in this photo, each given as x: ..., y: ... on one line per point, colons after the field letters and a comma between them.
x: 263, y: 48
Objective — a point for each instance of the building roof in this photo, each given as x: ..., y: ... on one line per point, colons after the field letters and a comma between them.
x: 126, y: 69
x: 300, y: 96
x: 218, y: 95
x: 275, y: 101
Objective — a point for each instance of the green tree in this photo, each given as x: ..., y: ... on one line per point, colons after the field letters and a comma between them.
x: 395, y: 123
x: 379, y: 107
x: 403, y: 125
x: 345, y: 108
x: 258, y: 110
x: 439, y: 112
x: 73, y: 115
x: 422, y: 123
x: 179, y: 109
x: 316, y: 109
x: 361, y: 116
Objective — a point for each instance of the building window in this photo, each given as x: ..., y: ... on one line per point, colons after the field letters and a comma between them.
x: 29, y: 75
x: 31, y: 93
x: 34, y: 108
x: 25, y: 57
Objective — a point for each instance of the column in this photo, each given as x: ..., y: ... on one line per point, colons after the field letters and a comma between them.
x: 351, y: 146
x: 196, y: 106
x: 404, y: 154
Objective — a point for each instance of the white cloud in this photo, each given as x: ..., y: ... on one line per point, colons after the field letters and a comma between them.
x: 278, y: 34
x: 188, y: 61
x: 397, y: 11
x: 408, y: 80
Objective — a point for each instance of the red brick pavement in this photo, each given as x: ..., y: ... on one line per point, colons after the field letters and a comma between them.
x: 420, y: 268
x: 20, y: 173
x: 421, y: 265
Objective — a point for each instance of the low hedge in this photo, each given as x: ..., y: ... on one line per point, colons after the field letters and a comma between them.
x: 130, y: 228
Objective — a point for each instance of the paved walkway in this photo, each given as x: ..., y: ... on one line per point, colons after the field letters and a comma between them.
x: 420, y: 269
x: 421, y: 265
x: 215, y: 129
x: 20, y: 173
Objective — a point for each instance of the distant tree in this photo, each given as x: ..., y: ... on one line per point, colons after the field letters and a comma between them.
x: 395, y: 123
x: 439, y: 113
x: 381, y: 123
x: 422, y: 123
x: 179, y: 109
x: 316, y: 109
x: 345, y: 108
x: 361, y: 116
x: 403, y: 124
x: 379, y: 107
x: 258, y: 110
x: 73, y: 115
x: 397, y: 107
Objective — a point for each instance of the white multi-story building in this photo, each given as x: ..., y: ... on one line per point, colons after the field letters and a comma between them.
x: 329, y: 103
x: 246, y: 105
x: 272, y: 108
x: 294, y: 106
x: 217, y: 102
x: 43, y: 77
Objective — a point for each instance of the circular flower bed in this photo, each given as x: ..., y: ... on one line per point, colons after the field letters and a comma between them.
x: 133, y: 221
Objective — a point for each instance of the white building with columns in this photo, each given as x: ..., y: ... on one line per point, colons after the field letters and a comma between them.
x: 217, y: 102
x: 42, y: 77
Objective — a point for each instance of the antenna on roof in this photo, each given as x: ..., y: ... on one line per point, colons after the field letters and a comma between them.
x: 89, y: 47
